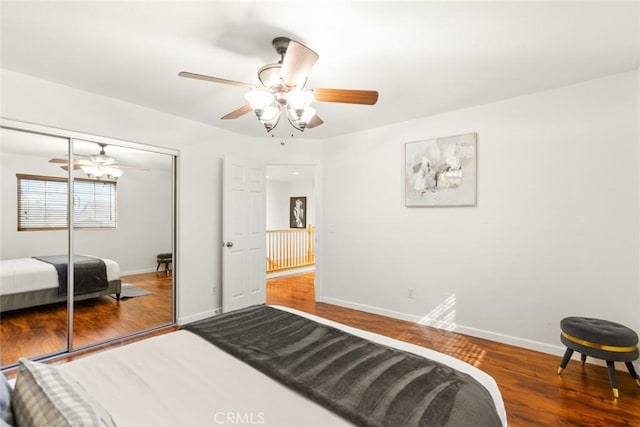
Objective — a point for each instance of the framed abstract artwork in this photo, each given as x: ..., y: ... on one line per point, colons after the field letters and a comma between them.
x: 297, y: 212
x: 441, y: 171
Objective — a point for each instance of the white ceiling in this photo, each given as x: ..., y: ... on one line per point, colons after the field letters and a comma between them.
x: 423, y: 57
x: 47, y: 147
x: 291, y: 173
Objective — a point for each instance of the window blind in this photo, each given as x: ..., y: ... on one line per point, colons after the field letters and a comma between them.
x: 42, y: 203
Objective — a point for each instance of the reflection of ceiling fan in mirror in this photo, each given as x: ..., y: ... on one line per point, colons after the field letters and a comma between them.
x: 282, y: 89
x: 97, y: 166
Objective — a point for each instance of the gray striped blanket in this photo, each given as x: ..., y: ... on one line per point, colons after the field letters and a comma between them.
x: 367, y: 383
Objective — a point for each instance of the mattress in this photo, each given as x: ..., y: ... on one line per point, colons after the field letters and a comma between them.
x: 180, y: 379
x: 29, y: 274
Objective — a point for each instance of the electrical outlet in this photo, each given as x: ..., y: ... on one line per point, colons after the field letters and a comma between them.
x: 410, y: 293
x: 214, y: 290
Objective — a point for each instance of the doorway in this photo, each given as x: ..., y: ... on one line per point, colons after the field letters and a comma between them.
x: 291, y: 239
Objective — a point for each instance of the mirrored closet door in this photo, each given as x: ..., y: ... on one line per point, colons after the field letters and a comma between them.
x: 120, y: 198
x: 123, y: 219
x: 33, y: 224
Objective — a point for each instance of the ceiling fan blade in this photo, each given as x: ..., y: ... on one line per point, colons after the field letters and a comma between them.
x: 62, y: 161
x: 239, y: 112
x: 297, y: 64
x: 346, y: 96
x: 126, y: 167
x: 315, y: 121
x: 66, y: 167
x: 214, y: 79
x: 77, y: 162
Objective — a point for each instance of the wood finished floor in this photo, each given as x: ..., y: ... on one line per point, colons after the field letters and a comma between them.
x: 533, y: 393
x: 42, y: 330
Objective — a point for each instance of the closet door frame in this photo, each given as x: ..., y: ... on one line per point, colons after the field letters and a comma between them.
x: 71, y: 136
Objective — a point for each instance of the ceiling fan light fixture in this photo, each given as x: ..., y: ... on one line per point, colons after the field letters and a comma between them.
x: 93, y: 172
x: 100, y: 171
x: 269, y: 75
x: 97, y: 166
x: 302, y: 122
x: 297, y: 102
x: 112, y: 173
x: 271, y: 117
x: 270, y: 113
x: 269, y: 125
x: 308, y: 114
x: 281, y: 91
x: 102, y: 159
x: 259, y: 100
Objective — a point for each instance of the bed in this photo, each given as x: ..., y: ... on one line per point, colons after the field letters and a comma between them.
x: 30, y: 282
x: 181, y: 379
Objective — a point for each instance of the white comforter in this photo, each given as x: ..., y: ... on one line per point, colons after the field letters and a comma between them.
x: 179, y: 379
x: 30, y: 274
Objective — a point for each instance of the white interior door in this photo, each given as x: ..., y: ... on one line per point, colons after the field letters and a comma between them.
x: 243, y: 233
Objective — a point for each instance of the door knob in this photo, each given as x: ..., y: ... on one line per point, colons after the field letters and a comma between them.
x: 229, y: 244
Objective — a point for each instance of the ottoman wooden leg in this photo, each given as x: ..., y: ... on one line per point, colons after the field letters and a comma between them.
x: 633, y: 372
x: 583, y: 358
x: 612, y: 378
x: 565, y: 360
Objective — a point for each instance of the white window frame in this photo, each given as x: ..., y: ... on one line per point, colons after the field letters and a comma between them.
x: 93, y: 209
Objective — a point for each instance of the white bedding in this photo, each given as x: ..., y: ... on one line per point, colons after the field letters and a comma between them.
x: 180, y: 379
x: 30, y: 274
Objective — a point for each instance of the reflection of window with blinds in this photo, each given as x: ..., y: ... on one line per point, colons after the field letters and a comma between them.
x: 42, y: 203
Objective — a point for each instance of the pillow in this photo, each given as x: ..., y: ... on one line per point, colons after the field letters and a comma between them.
x: 43, y: 396
x: 6, y: 415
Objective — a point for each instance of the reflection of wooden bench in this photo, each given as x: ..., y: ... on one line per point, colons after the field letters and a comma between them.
x: 166, y: 259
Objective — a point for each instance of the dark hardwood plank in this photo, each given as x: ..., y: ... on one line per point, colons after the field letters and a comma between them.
x: 42, y: 330
x: 533, y: 393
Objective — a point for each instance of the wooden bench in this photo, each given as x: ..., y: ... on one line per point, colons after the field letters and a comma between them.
x: 601, y: 339
x: 166, y: 259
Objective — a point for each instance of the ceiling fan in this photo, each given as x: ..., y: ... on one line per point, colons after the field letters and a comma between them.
x: 282, y: 89
x: 97, y: 166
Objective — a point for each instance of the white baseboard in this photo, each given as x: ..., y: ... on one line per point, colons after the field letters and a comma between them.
x: 370, y: 309
x: 461, y: 329
x: 291, y: 272
x: 198, y: 316
x: 556, y: 350
x: 132, y: 272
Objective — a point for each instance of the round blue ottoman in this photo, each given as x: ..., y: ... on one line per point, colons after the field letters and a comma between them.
x: 601, y: 339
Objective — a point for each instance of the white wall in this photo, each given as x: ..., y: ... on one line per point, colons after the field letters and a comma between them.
x: 555, y: 232
x: 143, y: 209
x: 278, y: 194
x: 201, y: 148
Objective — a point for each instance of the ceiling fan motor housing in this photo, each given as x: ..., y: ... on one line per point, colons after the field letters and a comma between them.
x: 281, y: 44
x: 269, y: 75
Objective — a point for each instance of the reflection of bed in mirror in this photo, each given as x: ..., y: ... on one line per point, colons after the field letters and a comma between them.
x: 29, y: 282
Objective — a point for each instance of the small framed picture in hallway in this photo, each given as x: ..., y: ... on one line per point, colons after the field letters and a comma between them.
x: 297, y: 208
